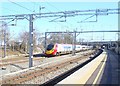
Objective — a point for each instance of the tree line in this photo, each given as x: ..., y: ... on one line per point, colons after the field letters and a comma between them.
x: 21, y: 43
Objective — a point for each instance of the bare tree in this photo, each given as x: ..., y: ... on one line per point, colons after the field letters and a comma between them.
x: 1, y: 35
x: 24, y: 38
x: 66, y: 38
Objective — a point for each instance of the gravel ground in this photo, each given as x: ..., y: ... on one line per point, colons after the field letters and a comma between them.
x: 13, y: 68
x: 51, y: 75
x: 20, y: 66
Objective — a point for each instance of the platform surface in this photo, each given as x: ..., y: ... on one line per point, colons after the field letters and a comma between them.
x: 111, y: 73
x: 105, y: 69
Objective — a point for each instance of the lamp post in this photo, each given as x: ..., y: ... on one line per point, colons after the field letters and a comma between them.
x: 40, y: 8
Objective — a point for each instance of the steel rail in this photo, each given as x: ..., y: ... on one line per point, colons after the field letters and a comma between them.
x: 57, y: 79
x: 18, y: 79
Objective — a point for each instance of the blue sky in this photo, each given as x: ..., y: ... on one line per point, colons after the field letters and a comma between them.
x: 106, y: 22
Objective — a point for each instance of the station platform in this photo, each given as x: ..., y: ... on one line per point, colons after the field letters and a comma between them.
x: 111, y: 72
x: 103, y: 70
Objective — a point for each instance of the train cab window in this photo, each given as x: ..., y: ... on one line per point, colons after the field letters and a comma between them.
x: 50, y: 46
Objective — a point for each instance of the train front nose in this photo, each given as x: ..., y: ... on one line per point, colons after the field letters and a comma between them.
x: 49, y: 49
x: 49, y: 52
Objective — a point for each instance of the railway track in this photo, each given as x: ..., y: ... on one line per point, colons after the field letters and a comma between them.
x: 32, y: 73
x: 5, y: 63
x: 20, y: 59
x: 57, y: 79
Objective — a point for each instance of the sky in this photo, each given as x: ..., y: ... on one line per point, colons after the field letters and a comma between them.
x: 104, y: 22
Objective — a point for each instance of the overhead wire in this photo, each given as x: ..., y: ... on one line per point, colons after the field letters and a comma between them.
x: 20, y: 6
x: 16, y: 11
x: 9, y: 9
x: 52, y: 6
x: 50, y: 11
x: 58, y: 10
x: 32, y: 10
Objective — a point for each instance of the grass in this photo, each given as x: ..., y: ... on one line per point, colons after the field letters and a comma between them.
x: 9, y: 52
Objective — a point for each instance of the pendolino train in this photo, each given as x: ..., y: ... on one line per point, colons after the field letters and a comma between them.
x: 58, y: 49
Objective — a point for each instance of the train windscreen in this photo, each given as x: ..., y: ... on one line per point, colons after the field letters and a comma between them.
x: 50, y: 46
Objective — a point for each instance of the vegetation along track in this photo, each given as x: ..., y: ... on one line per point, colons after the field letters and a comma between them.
x: 38, y: 71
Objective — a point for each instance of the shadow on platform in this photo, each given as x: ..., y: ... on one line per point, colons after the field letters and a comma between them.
x: 111, y: 72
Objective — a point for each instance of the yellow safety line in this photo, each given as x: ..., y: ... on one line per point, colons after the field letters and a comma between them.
x: 95, y: 81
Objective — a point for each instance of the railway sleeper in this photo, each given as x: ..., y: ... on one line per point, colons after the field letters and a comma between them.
x: 29, y: 76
